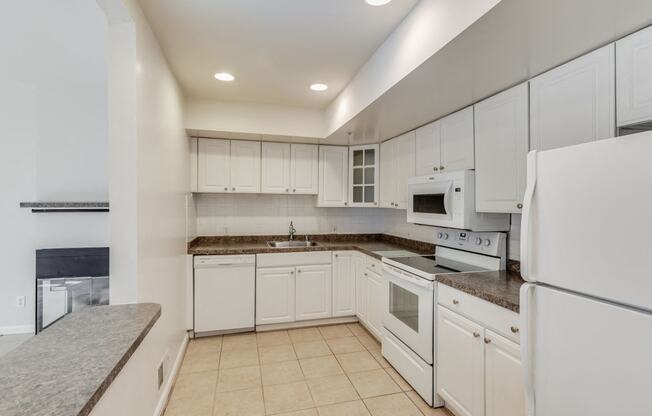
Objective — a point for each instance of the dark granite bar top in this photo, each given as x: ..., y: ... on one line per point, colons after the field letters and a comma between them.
x: 500, y: 287
x: 369, y: 244
x: 64, y: 204
x: 64, y: 370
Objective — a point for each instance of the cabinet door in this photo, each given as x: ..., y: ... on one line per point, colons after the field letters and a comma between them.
x: 375, y: 303
x: 333, y: 176
x: 460, y: 363
x: 405, y: 146
x: 428, y: 149
x: 304, y: 176
x: 504, y: 389
x: 245, y: 166
x: 275, y: 168
x: 574, y: 103
x: 313, y: 290
x: 275, y: 295
x: 363, y: 175
x: 344, y: 283
x: 213, y: 171
x: 457, y: 141
x: 387, y: 173
x: 501, y: 146
x: 360, y: 265
x: 634, y: 78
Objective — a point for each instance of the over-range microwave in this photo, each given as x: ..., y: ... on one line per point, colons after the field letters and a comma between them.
x: 448, y: 200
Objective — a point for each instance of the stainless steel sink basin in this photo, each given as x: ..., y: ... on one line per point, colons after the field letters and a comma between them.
x: 291, y: 244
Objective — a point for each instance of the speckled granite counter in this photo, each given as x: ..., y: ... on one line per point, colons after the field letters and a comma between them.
x: 370, y: 244
x: 500, y: 288
x: 65, y: 369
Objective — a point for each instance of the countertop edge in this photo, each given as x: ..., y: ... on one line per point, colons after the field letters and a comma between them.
x: 503, y: 303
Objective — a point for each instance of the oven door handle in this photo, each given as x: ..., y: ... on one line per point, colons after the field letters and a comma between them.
x: 417, y: 281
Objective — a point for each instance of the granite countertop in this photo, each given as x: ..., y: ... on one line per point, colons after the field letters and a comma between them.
x: 499, y: 287
x: 370, y: 244
x: 64, y: 370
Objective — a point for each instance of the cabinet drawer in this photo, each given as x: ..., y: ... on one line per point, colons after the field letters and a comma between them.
x: 501, y: 320
x: 293, y: 259
x: 374, y: 265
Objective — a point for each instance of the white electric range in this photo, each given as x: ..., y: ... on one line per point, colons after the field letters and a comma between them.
x: 409, y: 316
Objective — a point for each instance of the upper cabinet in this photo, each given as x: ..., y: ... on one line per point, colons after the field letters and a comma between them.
x: 446, y: 144
x: 245, y: 166
x: 289, y: 168
x: 501, y: 147
x: 634, y: 78
x: 574, y: 103
x: 333, y: 176
x: 363, y: 175
x: 396, y: 166
x: 213, y: 165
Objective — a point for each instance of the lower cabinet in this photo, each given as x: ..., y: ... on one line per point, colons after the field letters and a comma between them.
x: 275, y: 295
x: 313, y: 292
x: 344, y: 293
x: 360, y: 265
x: 478, y: 370
x: 375, y: 296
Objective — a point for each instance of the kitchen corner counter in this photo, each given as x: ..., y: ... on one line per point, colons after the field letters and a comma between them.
x: 369, y: 244
x: 499, y: 287
x: 65, y: 370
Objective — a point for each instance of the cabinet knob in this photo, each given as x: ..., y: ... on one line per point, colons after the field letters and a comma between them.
x: 487, y: 340
x: 456, y: 302
x: 366, y: 274
x: 292, y: 272
x: 233, y: 188
x: 226, y: 188
x: 336, y: 255
x: 375, y: 203
x: 519, y: 205
x: 294, y: 190
x: 346, y: 203
x: 514, y: 329
x: 476, y: 335
x: 435, y: 168
x: 298, y: 271
x: 441, y: 168
x: 287, y: 190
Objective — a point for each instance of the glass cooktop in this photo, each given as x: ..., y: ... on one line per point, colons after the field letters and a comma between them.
x: 430, y: 265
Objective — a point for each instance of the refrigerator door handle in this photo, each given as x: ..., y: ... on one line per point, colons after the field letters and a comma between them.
x: 526, y: 220
x: 526, y: 351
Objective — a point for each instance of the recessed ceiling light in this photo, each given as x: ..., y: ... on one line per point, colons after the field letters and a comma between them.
x: 319, y: 87
x: 378, y: 2
x: 224, y: 76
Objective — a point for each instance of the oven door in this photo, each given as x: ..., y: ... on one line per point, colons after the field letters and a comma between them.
x: 409, y: 315
x: 430, y: 201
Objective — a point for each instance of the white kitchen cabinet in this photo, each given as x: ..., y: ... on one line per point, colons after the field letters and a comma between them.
x: 460, y: 363
x: 304, y: 169
x: 634, y: 78
x: 313, y: 292
x: 575, y: 102
x: 344, y: 294
x: 375, y: 303
x: 275, y: 168
x: 428, y: 149
x: 213, y: 165
x: 396, y: 166
x: 194, y: 174
x: 504, y: 392
x: 245, y: 166
x: 501, y: 147
x: 333, y: 176
x: 457, y: 141
x: 275, y: 295
x: 360, y: 266
x: 363, y: 175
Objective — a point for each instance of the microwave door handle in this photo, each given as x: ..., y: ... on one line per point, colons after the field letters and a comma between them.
x: 447, y: 194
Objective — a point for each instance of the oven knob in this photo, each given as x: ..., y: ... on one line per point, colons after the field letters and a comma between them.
x: 439, y: 235
x: 445, y: 236
x: 487, y: 242
x: 478, y: 241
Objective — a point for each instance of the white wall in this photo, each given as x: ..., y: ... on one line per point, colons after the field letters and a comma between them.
x: 53, y: 137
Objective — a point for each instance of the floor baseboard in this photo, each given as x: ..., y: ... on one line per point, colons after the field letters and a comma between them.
x: 167, y: 389
x: 17, y: 329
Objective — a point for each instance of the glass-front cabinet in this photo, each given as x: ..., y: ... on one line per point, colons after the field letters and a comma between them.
x: 363, y: 176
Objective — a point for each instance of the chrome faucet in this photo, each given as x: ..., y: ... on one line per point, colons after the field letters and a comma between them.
x: 292, y: 231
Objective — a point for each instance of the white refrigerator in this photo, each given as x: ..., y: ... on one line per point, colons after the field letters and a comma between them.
x: 586, y: 256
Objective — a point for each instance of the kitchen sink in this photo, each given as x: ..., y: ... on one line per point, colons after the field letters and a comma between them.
x: 291, y: 244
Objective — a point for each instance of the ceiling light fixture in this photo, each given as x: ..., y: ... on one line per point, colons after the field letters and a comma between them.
x: 378, y: 2
x: 224, y: 76
x: 319, y: 87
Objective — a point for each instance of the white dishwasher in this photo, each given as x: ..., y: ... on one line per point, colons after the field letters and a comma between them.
x: 225, y: 294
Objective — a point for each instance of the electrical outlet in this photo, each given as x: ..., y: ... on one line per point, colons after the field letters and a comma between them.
x: 20, y: 301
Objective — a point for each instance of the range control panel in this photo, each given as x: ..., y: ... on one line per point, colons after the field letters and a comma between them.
x: 489, y: 243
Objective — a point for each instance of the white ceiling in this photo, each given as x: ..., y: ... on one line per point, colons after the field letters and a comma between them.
x: 274, y: 48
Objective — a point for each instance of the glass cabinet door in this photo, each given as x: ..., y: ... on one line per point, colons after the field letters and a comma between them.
x: 364, y: 175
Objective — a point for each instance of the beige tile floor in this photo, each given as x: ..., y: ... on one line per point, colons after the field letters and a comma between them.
x: 327, y: 371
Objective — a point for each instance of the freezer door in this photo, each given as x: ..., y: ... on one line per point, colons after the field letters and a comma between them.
x: 584, y: 357
x: 586, y: 223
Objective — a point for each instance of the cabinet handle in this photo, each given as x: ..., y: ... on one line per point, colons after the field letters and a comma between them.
x: 476, y: 335
x: 456, y: 302
x: 487, y: 340
x: 514, y: 329
x: 519, y: 206
x: 441, y: 168
x: 435, y: 168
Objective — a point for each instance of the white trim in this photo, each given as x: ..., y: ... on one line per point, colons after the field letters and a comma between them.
x: 17, y: 329
x: 165, y: 396
x: 304, y: 324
